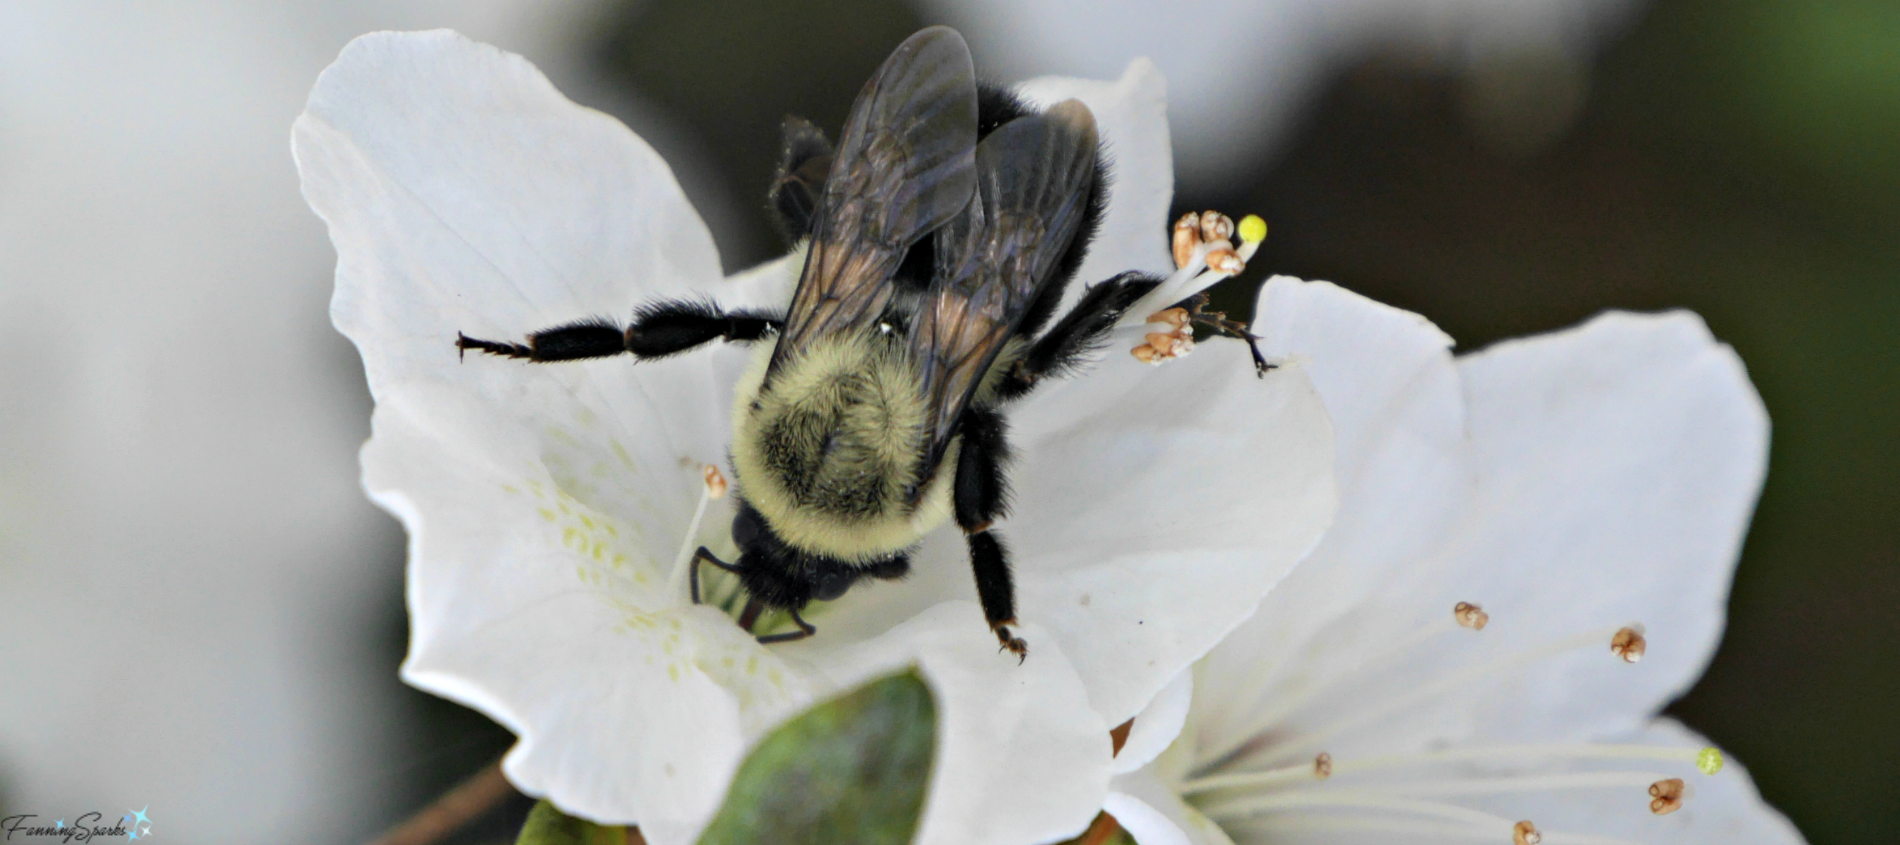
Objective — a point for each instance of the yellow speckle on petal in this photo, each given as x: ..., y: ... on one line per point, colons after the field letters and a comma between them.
x: 621, y: 453
x: 673, y: 671
x: 546, y: 514
x: 510, y: 488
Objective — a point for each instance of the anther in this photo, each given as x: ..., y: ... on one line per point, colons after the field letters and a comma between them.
x: 715, y: 482
x: 1470, y: 616
x: 1225, y: 260
x: 1187, y: 236
x: 1161, y: 346
x: 1216, y: 226
x: 1322, y: 766
x: 1629, y: 644
x: 1525, y: 833
x: 1665, y: 796
x: 1176, y: 317
x: 1709, y: 760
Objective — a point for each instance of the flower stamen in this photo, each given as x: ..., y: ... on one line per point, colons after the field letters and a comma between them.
x: 1204, y: 253
x: 713, y: 488
x: 1525, y: 833
x: 1628, y: 643
x: 1470, y: 616
x: 1290, y: 774
x: 1666, y: 796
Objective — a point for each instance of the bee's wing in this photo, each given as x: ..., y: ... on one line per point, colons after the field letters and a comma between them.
x: 904, y: 166
x: 1033, y: 180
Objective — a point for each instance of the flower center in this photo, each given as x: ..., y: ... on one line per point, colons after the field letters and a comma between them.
x: 1204, y: 253
x: 1275, y: 778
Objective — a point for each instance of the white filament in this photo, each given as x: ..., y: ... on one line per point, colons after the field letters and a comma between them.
x: 676, y: 583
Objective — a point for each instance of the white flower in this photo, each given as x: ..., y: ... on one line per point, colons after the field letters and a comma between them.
x: 1562, y: 487
x: 547, y: 504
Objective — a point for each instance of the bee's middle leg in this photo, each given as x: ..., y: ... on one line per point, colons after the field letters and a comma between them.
x: 981, y: 495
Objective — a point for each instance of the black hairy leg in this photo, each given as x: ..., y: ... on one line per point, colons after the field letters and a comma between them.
x: 1079, y: 332
x: 805, y: 629
x: 658, y: 329
x: 982, y: 497
x: 692, y: 569
x: 1196, y: 307
x: 804, y: 164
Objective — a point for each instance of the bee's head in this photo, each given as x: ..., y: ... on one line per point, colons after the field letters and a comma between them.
x: 780, y: 574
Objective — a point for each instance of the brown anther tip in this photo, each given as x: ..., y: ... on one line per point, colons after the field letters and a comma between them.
x: 715, y: 482
x: 1187, y: 236
x: 1216, y: 226
x: 1119, y: 735
x: 1667, y: 796
x: 1470, y: 616
x: 1629, y: 645
x: 1160, y: 340
x: 1525, y: 833
x: 1145, y: 353
x: 1323, y: 766
x: 1176, y: 317
x: 1225, y: 260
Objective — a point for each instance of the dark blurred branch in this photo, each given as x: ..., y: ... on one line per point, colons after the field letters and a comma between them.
x: 468, y: 800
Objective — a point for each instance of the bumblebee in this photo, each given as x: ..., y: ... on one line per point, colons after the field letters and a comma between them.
x: 939, y: 237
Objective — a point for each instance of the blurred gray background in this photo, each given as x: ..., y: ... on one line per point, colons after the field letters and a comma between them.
x: 200, y: 614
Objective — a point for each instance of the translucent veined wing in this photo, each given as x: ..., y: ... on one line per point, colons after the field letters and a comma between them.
x: 1033, y: 179
x: 905, y: 165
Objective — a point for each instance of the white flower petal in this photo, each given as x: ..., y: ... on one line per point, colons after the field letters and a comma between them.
x: 547, y: 615
x: 1404, y: 470
x: 1115, y: 546
x: 1020, y: 757
x: 1153, y: 815
x: 1619, y: 464
x: 464, y: 193
x: 1157, y: 725
x: 1132, y: 115
x: 1162, y: 516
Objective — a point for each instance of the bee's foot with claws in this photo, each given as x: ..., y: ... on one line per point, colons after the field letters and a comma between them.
x: 1012, y: 644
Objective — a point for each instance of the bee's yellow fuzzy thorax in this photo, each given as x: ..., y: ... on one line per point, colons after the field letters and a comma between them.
x: 829, y: 452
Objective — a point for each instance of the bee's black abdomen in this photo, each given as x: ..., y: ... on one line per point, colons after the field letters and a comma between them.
x: 995, y: 106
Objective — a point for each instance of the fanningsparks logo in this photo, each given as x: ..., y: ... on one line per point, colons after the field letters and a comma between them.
x: 86, y: 827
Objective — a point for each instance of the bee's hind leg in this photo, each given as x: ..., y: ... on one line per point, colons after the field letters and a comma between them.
x: 980, y: 494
